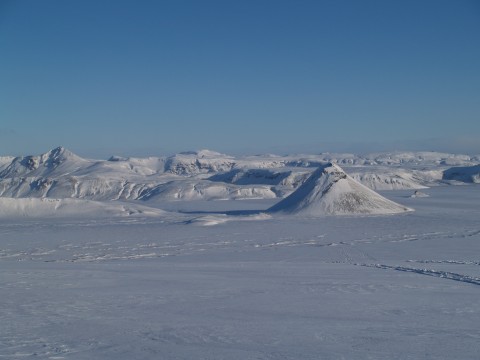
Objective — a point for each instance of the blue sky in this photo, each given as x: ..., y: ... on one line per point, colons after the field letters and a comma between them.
x: 157, y: 77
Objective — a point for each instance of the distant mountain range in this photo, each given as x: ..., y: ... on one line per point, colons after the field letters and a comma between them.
x: 208, y: 175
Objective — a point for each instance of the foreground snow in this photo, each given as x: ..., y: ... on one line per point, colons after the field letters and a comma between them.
x: 47, y: 208
x: 279, y: 287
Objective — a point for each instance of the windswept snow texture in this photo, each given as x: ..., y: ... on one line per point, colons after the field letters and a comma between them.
x: 247, y: 286
x: 330, y: 191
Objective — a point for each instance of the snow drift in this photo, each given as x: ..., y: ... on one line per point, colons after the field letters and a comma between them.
x: 330, y: 191
x: 419, y: 194
x: 43, y: 208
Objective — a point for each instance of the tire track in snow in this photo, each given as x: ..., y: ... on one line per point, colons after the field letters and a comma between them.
x: 455, y: 262
x: 428, y: 272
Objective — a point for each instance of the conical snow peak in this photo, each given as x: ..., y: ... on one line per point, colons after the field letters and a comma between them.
x: 330, y: 191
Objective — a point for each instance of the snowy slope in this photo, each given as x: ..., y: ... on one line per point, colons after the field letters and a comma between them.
x: 425, y: 158
x: 393, y: 178
x: 56, y: 161
x: 285, y: 176
x: 467, y: 174
x: 48, y: 208
x: 205, y: 190
x: 5, y: 161
x: 330, y: 191
x: 198, y: 162
x: 61, y: 174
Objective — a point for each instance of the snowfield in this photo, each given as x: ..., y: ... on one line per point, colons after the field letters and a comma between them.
x: 95, y: 274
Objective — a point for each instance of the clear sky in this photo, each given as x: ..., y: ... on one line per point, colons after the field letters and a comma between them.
x: 239, y: 76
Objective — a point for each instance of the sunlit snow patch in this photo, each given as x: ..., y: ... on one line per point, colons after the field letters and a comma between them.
x: 209, y: 220
x: 40, y: 208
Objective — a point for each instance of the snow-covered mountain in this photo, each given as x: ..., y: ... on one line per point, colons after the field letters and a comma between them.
x: 398, y: 180
x: 205, y: 190
x: 58, y: 160
x: 466, y: 174
x: 61, y: 174
x: 209, y: 175
x: 198, y: 162
x: 5, y: 161
x: 330, y: 191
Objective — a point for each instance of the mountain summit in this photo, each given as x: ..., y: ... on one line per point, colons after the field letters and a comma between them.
x: 42, y: 165
x: 330, y: 191
x: 57, y: 156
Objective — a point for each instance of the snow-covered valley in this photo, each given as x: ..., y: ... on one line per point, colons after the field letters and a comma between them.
x: 135, y: 258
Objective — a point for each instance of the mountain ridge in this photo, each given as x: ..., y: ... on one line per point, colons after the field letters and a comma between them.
x: 209, y: 175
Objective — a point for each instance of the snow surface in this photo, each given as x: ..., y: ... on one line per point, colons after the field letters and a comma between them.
x: 419, y: 194
x: 154, y: 269
x: 48, y: 208
x: 376, y: 287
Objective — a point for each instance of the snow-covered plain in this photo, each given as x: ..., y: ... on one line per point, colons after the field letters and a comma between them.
x: 202, y: 279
